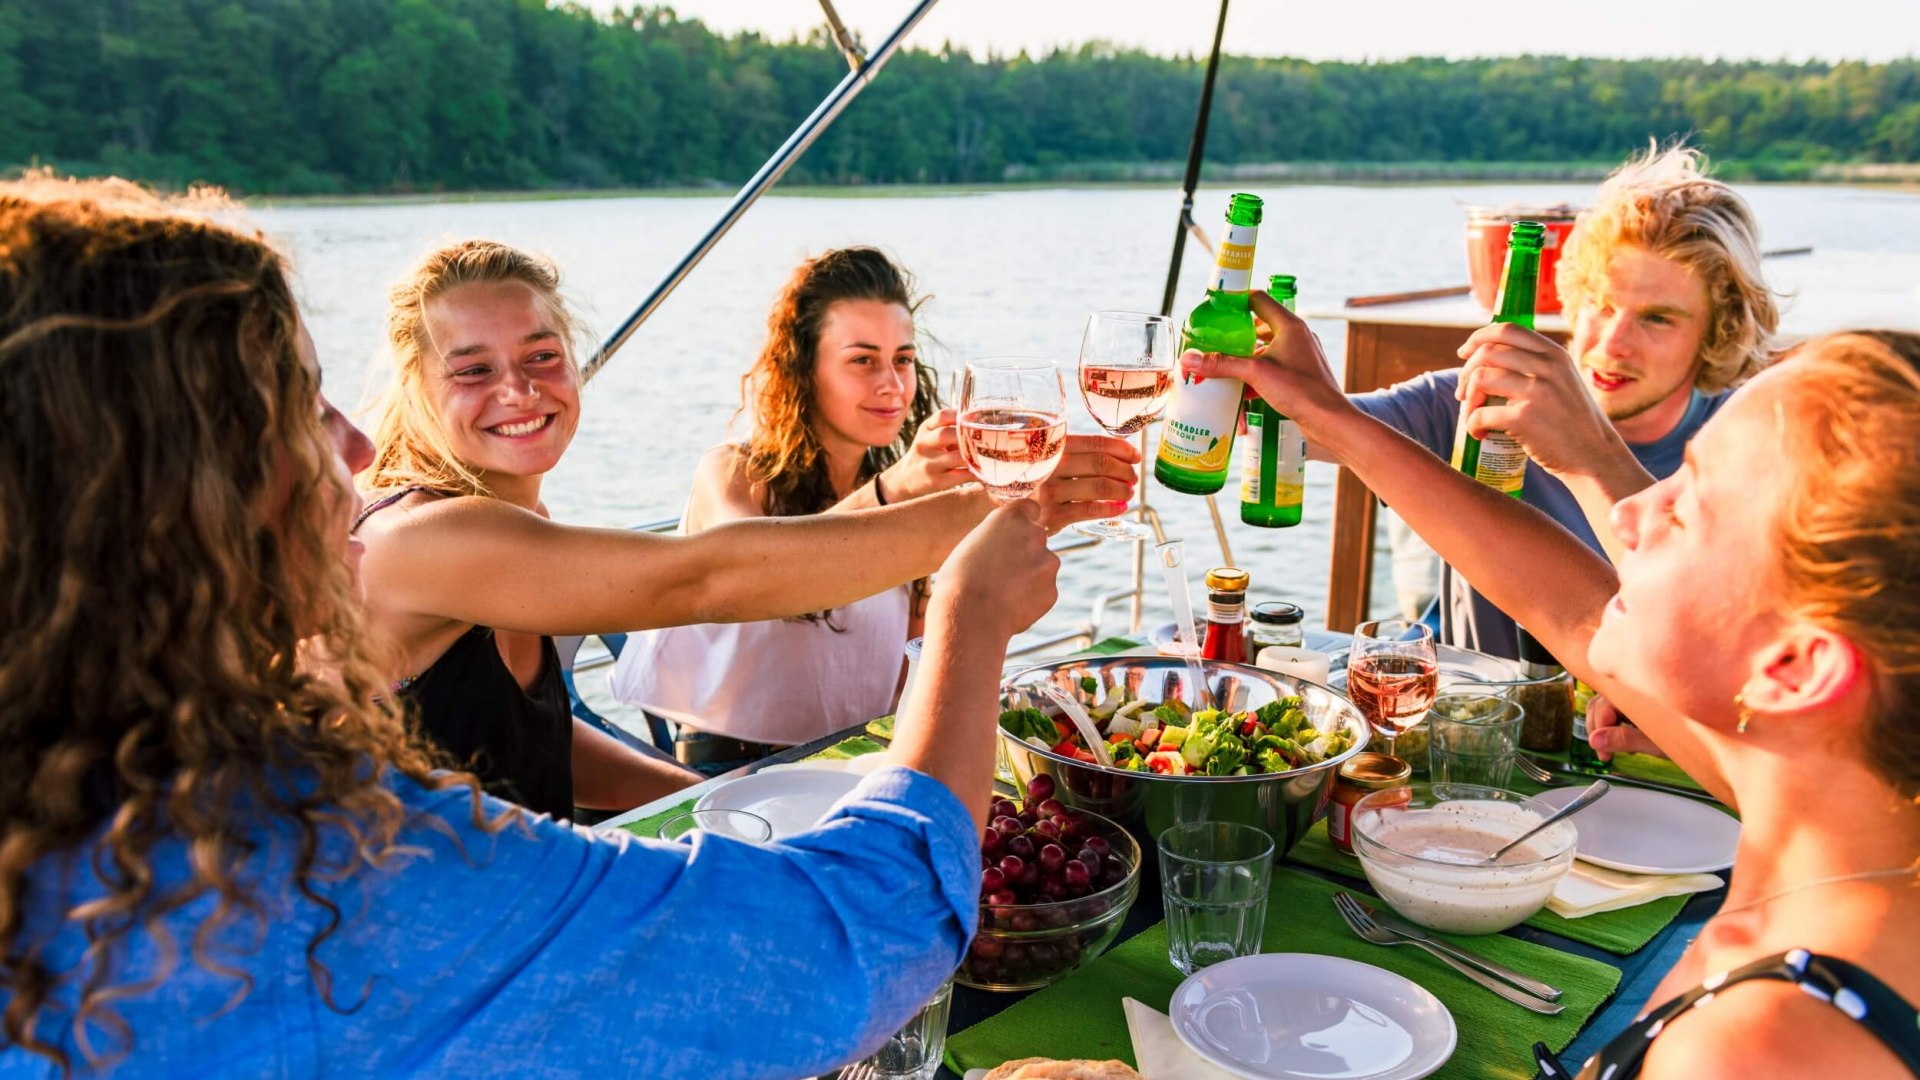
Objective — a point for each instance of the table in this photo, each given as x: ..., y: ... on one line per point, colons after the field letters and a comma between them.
x: 1640, y: 972
x: 1393, y: 338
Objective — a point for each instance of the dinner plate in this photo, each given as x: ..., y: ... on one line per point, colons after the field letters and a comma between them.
x: 791, y: 800
x: 1650, y: 832
x: 1302, y: 1016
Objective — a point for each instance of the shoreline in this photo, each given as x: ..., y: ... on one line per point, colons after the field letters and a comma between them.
x: 1900, y: 182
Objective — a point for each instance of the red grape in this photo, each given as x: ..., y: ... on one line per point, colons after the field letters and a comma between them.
x: 992, y: 879
x: 1003, y: 898
x: 1096, y: 844
x: 1008, y: 825
x: 1054, y: 888
x: 1012, y: 866
x: 1077, y: 875
x: 990, y: 842
x: 986, y: 946
x: 1021, y: 846
x: 1051, y: 808
x: 1004, y: 808
x: 1052, y: 857
x: 1039, y: 789
x: 1030, y: 879
x: 1024, y: 921
x: 1048, y: 828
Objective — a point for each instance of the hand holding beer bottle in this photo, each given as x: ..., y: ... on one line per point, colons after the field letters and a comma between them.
x: 1290, y: 371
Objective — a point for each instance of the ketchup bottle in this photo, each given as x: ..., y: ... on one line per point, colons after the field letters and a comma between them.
x: 1226, y: 638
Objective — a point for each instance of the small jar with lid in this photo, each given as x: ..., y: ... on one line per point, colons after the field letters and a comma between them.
x: 1274, y: 623
x: 1360, y: 776
x: 1225, y: 638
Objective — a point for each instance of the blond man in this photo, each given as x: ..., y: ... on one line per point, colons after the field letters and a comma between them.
x: 1663, y: 286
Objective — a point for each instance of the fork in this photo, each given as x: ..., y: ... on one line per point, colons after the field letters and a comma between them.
x: 859, y: 1070
x: 1534, y: 772
x: 1365, y: 928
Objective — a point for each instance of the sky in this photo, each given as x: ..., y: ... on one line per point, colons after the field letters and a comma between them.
x: 1368, y: 29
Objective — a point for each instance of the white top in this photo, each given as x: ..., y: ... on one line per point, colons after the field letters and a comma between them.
x: 782, y: 681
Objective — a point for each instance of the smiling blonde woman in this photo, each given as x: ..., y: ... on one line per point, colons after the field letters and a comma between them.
x: 471, y: 580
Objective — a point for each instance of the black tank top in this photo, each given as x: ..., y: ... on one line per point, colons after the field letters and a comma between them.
x: 1863, y: 998
x: 519, y: 742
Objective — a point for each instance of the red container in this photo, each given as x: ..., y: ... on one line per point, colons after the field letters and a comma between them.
x: 1487, y: 229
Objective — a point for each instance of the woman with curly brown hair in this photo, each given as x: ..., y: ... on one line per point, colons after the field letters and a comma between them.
x: 471, y: 580
x: 845, y: 417
x: 219, y: 856
x: 1763, y: 627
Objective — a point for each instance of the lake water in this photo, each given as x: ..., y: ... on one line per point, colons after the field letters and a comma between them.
x: 1008, y: 272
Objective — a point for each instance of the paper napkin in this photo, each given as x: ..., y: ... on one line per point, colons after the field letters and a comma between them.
x: 1589, y: 889
x: 1158, y: 1052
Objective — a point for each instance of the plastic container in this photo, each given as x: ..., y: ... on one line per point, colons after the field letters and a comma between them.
x: 1487, y: 228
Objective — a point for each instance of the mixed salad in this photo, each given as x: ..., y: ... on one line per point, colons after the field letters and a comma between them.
x: 1171, y: 738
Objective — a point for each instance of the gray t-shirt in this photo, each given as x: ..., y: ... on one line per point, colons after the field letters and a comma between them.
x: 1424, y: 409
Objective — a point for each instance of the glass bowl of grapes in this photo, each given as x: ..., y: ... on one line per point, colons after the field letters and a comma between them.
x: 1055, y: 885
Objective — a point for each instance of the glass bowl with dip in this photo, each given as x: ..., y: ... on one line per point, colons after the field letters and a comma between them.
x: 1424, y: 851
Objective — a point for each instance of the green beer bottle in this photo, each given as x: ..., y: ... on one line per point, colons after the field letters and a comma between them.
x: 1498, y: 460
x: 1197, y: 441
x: 1273, y: 464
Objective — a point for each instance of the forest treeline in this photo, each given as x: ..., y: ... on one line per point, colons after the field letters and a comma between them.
x: 322, y: 96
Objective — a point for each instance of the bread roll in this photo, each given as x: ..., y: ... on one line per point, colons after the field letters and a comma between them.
x: 1050, y: 1069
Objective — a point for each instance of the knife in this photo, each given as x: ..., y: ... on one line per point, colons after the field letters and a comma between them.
x: 1499, y: 971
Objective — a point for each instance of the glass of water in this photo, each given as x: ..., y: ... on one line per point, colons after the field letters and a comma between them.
x: 1214, y: 877
x: 1473, y: 735
x: 914, y: 1052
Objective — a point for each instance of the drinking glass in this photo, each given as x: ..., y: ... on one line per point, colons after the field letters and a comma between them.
x: 1013, y: 423
x: 737, y: 824
x: 1391, y: 675
x: 914, y: 1052
x: 1126, y: 377
x: 1214, y: 877
x: 1472, y: 738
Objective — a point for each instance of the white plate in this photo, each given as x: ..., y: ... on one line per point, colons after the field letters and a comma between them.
x: 1301, y: 1016
x: 1650, y: 832
x: 792, y: 800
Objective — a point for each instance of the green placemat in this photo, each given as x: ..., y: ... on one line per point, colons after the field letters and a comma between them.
x: 1081, y: 1017
x: 858, y: 745
x: 1636, y: 766
x: 1621, y: 932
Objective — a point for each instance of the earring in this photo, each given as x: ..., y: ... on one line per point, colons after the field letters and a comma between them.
x: 1746, y: 714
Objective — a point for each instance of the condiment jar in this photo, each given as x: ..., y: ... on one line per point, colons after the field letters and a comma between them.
x: 1546, y: 696
x: 1360, y: 776
x: 1226, y: 612
x: 1274, y: 623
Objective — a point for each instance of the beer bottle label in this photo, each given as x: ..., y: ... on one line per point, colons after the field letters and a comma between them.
x: 1199, y: 429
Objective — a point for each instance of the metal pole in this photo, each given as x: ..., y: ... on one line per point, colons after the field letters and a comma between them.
x: 776, y: 166
x: 1196, y: 153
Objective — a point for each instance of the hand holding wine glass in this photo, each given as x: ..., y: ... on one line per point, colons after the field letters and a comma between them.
x: 1013, y: 423
x: 1392, y: 674
x: 1126, y: 376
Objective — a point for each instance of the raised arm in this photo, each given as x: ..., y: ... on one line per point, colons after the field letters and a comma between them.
x: 1553, y: 417
x: 1517, y: 557
x: 484, y: 561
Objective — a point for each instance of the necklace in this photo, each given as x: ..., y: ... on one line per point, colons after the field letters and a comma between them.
x: 1864, y: 875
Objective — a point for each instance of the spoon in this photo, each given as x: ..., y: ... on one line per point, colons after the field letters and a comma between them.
x: 1172, y: 554
x: 1095, y: 744
x: 1580, y: 802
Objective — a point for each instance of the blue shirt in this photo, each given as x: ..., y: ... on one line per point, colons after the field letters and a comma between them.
x: 551, y: 951
x: 1424, y: 409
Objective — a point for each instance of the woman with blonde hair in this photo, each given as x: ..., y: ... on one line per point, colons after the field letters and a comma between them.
x: 471, y: 580
x: 1763, y: 627
x: 845, y: 417
x: 219, y: 855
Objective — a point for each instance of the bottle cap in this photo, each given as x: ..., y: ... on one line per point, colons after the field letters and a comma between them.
x: 1277, y: 612
x: 1228, y: 579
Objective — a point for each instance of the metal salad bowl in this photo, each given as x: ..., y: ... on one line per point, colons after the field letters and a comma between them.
x: 1284, y: 804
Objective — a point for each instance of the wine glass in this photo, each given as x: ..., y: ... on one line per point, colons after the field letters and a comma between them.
x: 1013, y: 423
x: 1392, y: 674
x: 1126, y: 377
